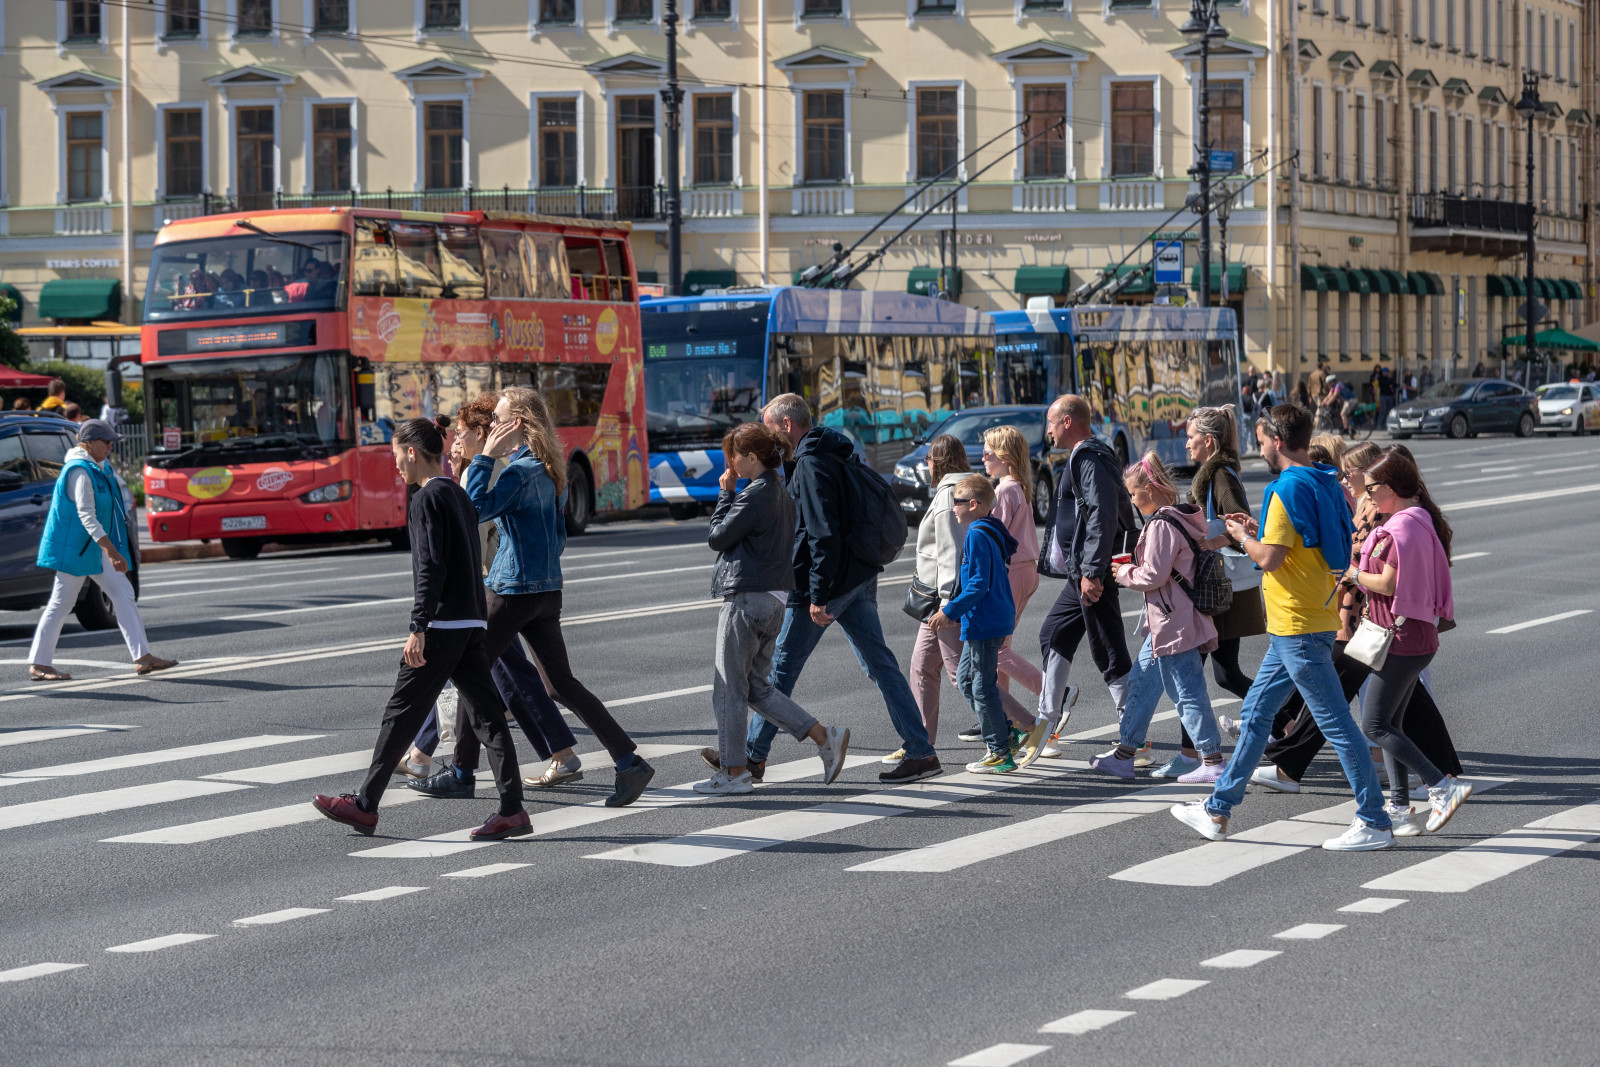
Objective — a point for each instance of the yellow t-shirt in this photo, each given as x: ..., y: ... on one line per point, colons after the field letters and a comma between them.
x: 1299, y: 594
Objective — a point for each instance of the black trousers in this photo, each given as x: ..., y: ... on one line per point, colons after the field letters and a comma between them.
x: 537, y: 617
x: 1069, y: 619
x: 457, y: 656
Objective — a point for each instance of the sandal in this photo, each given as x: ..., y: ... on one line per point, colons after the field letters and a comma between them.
x: 47, y: 674
x: 154, y: 663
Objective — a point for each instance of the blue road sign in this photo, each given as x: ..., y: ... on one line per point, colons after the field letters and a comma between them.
x: 1222, y: 161
x: 1169, y: 263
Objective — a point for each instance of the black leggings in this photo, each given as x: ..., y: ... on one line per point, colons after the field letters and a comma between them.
x: 1387, y: 704
x: 1225, y: 669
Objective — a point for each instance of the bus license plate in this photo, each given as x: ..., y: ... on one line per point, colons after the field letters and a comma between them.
x: 245, y: 522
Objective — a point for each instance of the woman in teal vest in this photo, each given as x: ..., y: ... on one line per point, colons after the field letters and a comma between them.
x: 86, y: 536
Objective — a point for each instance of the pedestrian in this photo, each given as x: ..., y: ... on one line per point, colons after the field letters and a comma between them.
x: 72, y: 413
x: 448, y: 623
x: 1303, y: 545
x: 1175, y: 635
x: 1328, y: 448
x: 1088, y: 523
x: 753, y: 535
x: 1006, y: 459
x: 1317, y: 382
x: 983, y: 607
x: 21, y: 404
x: 524, y: 581
x: 1405, y: 571
x: 55, y: 398
x: 833, y: 585
x: 936, y: 653
x: 87, y: 510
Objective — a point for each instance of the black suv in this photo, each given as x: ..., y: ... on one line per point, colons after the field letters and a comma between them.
x: 32, y: 451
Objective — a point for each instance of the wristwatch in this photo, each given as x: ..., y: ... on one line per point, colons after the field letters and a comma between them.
x: 416, y: 629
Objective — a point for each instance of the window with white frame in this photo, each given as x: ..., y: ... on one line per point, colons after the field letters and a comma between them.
x: 557, y: 12
x: 1544, y: 44
x: 1555, y: 50
x: 1338, y: 10
x: 1133, y: 129
x: 935, y: 7
x: 1574, y: 189
x: 937, y: 131
x: 1450, y: 153
x: 1433, y: 150
x: 443, y: 144
x: 85, y: 22
x: 1433, y: 23
x: 332, y: 133
x: 1361, y: 12
x: 1466, y: 26
x: 1558, y: 176
x: 1225, y: 125
x: 823, y: 135
x: 1487, y: 134
x: 558, y: 142
x: 86, y: 145
x: 1336, y: 146
x: 1544, y: 170
x: 181, y: 21
x: 1380, y: 142
x: 821, y: 9
x: 635, y: 10
x: 1572, y: 51
x: 712, y: 129
x: 1416, y: 20
x: 1500, y: 30
x: 183, y: 135
x: 1469, y: 141
x: 331, y: 16
x: 713, y: 10
x: 1417, y: 134
x: 255, y: 156
x: 254, y: 18
x: 1319, y: 149
x: 1045, y: 135
x: 441, y: 15
x: 1527, y: 36
x: 1359, y: 128
x: 1501, y: 161
x: 1450, y: 25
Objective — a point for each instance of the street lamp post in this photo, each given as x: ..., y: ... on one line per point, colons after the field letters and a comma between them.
x: 1204, y: 27
x: 672, y: 97
x: 1530, y: 107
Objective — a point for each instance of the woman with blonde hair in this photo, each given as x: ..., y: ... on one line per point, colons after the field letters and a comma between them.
x: 1006, y: 459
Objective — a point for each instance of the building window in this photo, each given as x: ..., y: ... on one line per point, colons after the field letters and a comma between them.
x: 937, y: 146
x: 1560, y: 199
x: 331, y: 16
x: 1045, y: 107
x: 1466, y: 26
x: 1527, y: 58
x: 1451, y: 185
x: 85, y: 143
x: 1544, y: 44
x: 443, y: 138
x: 936, y: 7
x: 1500, y: 30
x: 713, y: 10
x: 822, y: 9
x: 185, y: 162
x: 1555, y: 49
x: 1501, y: 162
x: 558, y: 12
x: 330, y: 148
x: 1469, y: 164
x: 1338, y: 135
x: 442, y: 15
x: 1416, y: 21
x: 1380, y: 144
x: 83, y: 20
x: 1417, y: 182
x: 255, y: 18
x: 1433, y: 151
x: 1226, y: 122
x: 1433, y: 23
x: 1488, y: 160
x: 713, y: 139
x: 1360, y: 153
x: 558, y: 143
x: 636, y: 156
x: 1572, y: 52
x: 183, y: 19
x: 1133, y: 124
x: 823, y: 119
x: 1319, y: 155
x: 636, y: 10
x: 254, y: 145
x: 1450, y: 24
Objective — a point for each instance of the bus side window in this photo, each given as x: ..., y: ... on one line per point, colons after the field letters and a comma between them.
x: 374, y: 270
x: 587, y: 269
x: 460, y: 263
x: 503, y: 273
x: 546, y: 258
x: 617, y: 267
x: 416, y: 249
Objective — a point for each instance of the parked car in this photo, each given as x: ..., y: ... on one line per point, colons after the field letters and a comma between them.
x: 1571, y: 406
x: 1467, y: 407
x: 910, y: 478
x: 32, y: 451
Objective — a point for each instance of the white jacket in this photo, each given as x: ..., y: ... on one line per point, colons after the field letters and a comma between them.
x: 939, y: 540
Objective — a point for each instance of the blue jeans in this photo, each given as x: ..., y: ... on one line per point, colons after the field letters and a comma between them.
x: 856, y: 612
x: 1183, y: 678
x: 977, y: 676
x: 1303, y: 662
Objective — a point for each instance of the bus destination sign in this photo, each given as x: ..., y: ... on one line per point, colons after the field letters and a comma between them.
x: 692, y: 349
x: 293, y: 334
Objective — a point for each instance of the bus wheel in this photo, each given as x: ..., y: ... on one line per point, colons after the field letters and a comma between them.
x: 241, y: 547
x: 579, y: 511
x: 684, y: 512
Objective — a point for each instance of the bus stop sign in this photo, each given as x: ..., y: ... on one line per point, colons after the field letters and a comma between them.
x: 1169, y: 263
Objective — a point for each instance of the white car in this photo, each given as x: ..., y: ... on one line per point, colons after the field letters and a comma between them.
x: 1574, y: 407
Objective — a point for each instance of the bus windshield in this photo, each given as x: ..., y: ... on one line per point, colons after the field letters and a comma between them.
x: 228, y: 277
x: 231, y: 406
x: 704, y: 372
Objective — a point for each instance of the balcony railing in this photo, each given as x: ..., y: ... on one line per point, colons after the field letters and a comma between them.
x: 1447, y: 210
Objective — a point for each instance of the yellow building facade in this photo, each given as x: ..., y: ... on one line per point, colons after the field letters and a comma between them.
x: 1395, y: 239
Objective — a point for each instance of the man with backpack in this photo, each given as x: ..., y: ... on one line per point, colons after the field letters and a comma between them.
x: 1090, y: 519
x: 842, y: 542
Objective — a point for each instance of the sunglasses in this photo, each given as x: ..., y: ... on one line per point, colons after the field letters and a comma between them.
x: 1374, y: 485
x: 961, y: 501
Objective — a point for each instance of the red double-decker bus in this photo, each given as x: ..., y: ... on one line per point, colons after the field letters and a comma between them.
x: 280, y: 349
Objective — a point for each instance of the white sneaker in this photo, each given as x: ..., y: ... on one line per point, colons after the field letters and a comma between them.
x: 1267, y: 775
x: 1419, y: 792
x: 894, y: 758
x: 1195, y: 816
x: 1049, y: 751
x: 1229, y: 726
x: 834, y: 745
x: 1360, y: 838
x: 1445, y: 798
x: 723, y: 784
x: 1404, y: 821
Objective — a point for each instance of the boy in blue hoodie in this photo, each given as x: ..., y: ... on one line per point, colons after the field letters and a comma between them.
x: 987, y: 614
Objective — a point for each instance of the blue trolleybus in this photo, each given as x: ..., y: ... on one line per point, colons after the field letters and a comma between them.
x: 878, y: 367
x: 1142, y: 368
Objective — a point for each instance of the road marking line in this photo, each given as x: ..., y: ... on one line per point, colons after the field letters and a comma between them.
x: 1309, y: 931
x: 194, y: 833
x: 1479, y: 481
x: 385, y: 893
x: 1170, y: 713
x: 156, y: 944
x: 1166, y: 988
x: 298, y: 770
x: 1241, y: 957
x: 81, y: 804
x: 343, y: 580
x: 37, y: 970
x: 1004, y: 1054
x: 579, y: 815
x: 1485, y: 861
x: 319, y: 607
x: 1083, y: 1022
x: 237, y: 579
x: 1541, y: 622
x: 640, y: 574
x: 1468, y: 555
x: 658, y: 696
x: 701, y: 545
x: 1512, y: 467
x: 271, y: 917
x: 1030, y: 833
x: 1520, y: 498
x: 719, y: 843
x: 50, y: 733
x: 640, y: 613
x: 160, y: 755
x: 486, y: 870
x: 1374, y: 905
x: 107, y: 664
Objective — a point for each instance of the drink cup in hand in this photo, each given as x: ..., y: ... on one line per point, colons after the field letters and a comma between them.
x: 1126, y: 557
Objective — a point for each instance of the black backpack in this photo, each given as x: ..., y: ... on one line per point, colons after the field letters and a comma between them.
x: 877, y: 529
x: 1212, y: 590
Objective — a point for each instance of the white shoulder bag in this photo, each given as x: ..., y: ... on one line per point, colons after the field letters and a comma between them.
x: 1371, y: 642
x: 1242, y: 570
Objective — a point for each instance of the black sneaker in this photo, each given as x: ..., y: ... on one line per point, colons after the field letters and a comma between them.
x: 972, y: 733
x: 912, y: 770
x: 714, y: 760
x: 446, y: 784
x: 631, y: 784
x: 756, y: 769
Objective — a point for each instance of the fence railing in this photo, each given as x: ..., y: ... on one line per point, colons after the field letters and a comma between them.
x: 127, y: 455
x: 1468, y: 212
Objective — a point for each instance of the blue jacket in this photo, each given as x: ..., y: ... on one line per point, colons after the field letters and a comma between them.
x: 66, y: 545
x: 983, y: 597
x: 1317, y: 508
x: 527, y: 511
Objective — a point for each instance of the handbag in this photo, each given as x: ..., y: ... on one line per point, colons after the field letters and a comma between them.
x: 922, y: 600
x: 1242, y: 570
x: 1370, y: 643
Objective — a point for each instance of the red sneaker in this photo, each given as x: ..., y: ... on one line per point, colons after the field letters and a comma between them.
x: 343, y: 808
x: 499, y: 827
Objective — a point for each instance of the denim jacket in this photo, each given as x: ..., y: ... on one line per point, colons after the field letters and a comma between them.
x: 529, y: 515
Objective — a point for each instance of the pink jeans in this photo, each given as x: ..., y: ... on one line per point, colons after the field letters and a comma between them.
x: 934, y: 651
x: 1024, y: 575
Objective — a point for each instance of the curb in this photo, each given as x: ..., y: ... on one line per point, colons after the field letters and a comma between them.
x: 191, y: 550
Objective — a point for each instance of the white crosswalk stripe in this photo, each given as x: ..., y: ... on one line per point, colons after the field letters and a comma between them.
x: 160, y: 755
x: 82, y: 804
x: 27, y: 736
x: 1484, y: 861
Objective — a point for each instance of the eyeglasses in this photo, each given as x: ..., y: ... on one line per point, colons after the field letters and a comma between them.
x: 961, y: 501
x: 989, y: 454
x: 1374, y: 485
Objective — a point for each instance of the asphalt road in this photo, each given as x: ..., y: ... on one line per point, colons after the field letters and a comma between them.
x: 947, y: 948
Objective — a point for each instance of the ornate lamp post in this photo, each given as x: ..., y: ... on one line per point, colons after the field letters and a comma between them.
x: 1203, y: 27
x: 1530, y: 107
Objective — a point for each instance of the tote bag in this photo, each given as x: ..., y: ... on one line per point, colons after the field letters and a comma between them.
x: 1242, y: 570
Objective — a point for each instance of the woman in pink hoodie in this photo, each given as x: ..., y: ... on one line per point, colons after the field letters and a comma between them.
x: 1174, y: 633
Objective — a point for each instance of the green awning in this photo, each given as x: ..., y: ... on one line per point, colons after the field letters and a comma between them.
x: 1311, y: 279
x: 1144, y: 284
x: 1574, y: 290
x: 1515, y: 286
x: 1543, y: 289
x: 1435, y: 283
x: 1042, y: 281
x: 1556, y: 338
x: 696, y: 282
x: 924, y: 280
x: 1338, y: 280
x: 1378, y: 281
x: 1238, y: 277
x: 1426, y: 283
x: 1398, y: 283
x: 1358, y: 280
x: 1496, y: 285
x: 97, y: 299
x: 10, y: 292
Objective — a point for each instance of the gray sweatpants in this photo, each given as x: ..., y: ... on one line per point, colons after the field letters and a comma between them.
x: 747, y: 633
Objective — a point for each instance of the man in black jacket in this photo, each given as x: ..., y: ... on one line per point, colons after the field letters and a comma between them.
x: 832, y: 584
x: 1088, y: 517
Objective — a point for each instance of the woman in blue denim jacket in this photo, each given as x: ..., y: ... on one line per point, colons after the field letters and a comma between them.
x: 524, y: 581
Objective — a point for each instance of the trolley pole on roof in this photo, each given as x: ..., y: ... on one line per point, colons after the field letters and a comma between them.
x: 672, y: 97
